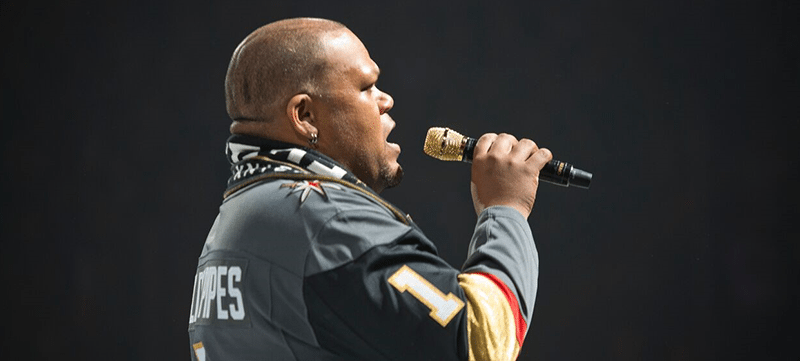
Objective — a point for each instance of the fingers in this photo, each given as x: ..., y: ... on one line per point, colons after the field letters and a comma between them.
x: 503, y: 144
x: 524, y: 149
x: 491, y: 143
x: 506, y: 145
x: 483, y: 144
x: 504, y: 172
x: 541, y: 157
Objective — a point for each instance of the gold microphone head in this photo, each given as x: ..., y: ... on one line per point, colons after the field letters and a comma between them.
x: 444, y: 144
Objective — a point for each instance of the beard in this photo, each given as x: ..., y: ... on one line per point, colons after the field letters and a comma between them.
x: 391, y: 178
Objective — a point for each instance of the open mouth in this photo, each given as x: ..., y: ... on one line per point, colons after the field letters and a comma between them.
x: 393, y: 145
x: 390, y: 144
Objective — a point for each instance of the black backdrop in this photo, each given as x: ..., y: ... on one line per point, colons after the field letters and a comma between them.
x: 686, y: 111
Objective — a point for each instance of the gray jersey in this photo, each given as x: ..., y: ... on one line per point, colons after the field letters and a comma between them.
x: 305, y: 265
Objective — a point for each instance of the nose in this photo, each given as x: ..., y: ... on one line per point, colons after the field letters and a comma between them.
x: 385, y: 102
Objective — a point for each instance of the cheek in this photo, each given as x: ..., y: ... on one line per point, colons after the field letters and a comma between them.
x: 357, y: 120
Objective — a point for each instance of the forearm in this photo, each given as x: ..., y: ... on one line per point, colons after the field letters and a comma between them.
x: 499, y: 280
x: 502, y: 245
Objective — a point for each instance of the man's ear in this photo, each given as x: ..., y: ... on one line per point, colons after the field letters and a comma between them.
x: 301, y: 115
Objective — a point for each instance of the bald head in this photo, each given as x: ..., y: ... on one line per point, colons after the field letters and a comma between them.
x: 273, y: 63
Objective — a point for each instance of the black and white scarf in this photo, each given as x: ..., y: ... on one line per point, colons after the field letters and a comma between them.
x: 253, y: 157
x: 256, y: 159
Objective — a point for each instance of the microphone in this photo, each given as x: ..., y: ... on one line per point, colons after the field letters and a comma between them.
x: 448, y: 145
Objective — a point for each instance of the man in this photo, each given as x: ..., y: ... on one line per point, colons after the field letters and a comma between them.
x: 306, y: 262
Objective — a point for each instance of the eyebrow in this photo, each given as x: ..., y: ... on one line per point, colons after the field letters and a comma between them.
x: 373, y: 72
x: 376, y: 70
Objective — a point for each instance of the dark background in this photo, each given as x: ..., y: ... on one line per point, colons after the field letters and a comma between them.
x: 686, y: 111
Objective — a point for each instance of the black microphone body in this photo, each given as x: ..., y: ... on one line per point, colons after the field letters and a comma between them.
x: 555, y: 171
x: 446, y: 144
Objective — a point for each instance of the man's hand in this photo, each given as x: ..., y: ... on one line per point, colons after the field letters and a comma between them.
x: 505, y: 172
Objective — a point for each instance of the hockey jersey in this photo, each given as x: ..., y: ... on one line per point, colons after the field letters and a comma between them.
x: 305, y: 262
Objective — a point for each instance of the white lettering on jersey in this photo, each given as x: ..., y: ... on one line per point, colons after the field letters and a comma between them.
x: 211, y: 290
x: 194, y: 293
x: 217, y: 294
x: 221, y: 271
x: 443, y: 308
x: 201, y: 293
x: 235, y: 275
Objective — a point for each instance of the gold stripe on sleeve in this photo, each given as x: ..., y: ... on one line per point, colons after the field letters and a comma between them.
x: 490, y: 321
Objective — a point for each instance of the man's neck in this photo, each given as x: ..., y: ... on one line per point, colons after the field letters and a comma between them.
x: 266, y: 130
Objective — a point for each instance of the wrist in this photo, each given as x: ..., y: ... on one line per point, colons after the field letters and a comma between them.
x: 504, y: 211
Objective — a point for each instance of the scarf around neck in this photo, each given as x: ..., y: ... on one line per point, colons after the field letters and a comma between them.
x: 255, y: 159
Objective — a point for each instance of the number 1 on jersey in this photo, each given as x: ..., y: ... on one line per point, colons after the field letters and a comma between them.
x: 443, y: 307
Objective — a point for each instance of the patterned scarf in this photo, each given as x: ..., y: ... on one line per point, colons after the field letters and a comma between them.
x: 256, y: 159
x: 251, y: 157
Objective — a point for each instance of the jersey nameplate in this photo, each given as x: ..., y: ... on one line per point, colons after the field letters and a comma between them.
x: 217, y: 297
